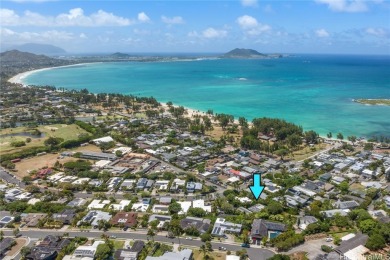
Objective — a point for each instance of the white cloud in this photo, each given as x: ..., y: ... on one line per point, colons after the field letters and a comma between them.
x: 75, y: 17
x: 349, y: 6
x: 247, y: 21
x: 378, y: 32
x: 83, y: 36
x: 8, y: 17
x: 322, y: 33
x: 47, y: 36
x: 213, y: 33
x: 143, y: 18
x: 250, y: 3
x: 251, y: 26
x: 173, y: 20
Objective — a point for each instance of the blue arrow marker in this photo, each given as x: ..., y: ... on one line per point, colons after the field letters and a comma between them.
x: 256, y: 188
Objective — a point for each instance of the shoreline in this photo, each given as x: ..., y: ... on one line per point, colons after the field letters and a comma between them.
x: 18, y: 78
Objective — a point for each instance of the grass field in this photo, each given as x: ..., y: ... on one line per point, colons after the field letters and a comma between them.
x: 47, y: 160
x: 118, y: 244
x: 67, y: 132
x: 198, y: 255
x: 306, y: 152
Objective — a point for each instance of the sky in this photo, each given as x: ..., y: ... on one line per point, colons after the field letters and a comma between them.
x: 93, y: 26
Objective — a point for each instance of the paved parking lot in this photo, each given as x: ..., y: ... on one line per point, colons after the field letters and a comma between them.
x: 313, y: 247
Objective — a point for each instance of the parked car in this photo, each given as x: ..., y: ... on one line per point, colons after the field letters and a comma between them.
x: 222, y: 248
x: 112, y: 236
x: 245, y: 245
x: 329, y: 239
x: 125, y: 228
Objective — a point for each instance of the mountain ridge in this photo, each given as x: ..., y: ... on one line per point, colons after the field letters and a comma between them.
x: 39, y: 48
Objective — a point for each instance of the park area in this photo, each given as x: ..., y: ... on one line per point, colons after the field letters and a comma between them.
x: 20, y: 138
x: 47, y: 160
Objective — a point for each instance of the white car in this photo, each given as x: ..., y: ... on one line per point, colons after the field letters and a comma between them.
x: 329, y: 239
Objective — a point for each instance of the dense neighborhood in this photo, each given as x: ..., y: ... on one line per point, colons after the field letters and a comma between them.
x: 102, y: 176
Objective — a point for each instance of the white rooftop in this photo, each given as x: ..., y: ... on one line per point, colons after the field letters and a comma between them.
x: 348, y: 237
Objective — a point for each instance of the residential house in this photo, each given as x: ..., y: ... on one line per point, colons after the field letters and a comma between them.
x: 346, y: 204
x: 77, y: 202
x: 185, y: 206
x: 121, y: 205
x: 193, y: 186
x: 141, y: 184
x: 160, y: 208
x: 305, y: 221
x: 199, y: 223
x: 325, y: 177
x: 387, y: 200
x: 338, y: 180
x: 130, y: 254
x: 87, y: 251
x: 256, y: 208
x: 126, y: 219
x: 128, y: 184
x: 5, y: 218
x: 333, y: 212
x: 165, y: 200
x: 185, y: 254
x: 200, y: 204
x: 65, y: 217
x: 262, y: 228
x: 351, y: 248
x: 98, y: 204
x: 221, y: 226
x: 94, y: 216
x: 48, y: 248
x: 33, y: 219
x: 161, y: 218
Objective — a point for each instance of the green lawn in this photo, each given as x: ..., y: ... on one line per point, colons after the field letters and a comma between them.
x: 118, y: 244
x: 67, y: 132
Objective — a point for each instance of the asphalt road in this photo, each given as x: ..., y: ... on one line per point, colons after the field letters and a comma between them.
x: 253, y: 253
x: 10, y: 178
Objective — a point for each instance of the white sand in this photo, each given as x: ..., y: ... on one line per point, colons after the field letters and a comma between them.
x: 18, y: 79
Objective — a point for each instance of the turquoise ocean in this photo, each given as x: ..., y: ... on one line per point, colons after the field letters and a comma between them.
x: 314, y: 91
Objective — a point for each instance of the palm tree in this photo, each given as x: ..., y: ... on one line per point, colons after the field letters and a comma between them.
x: 151, y: 233
x: 203, y: 249
x: 16, y: 231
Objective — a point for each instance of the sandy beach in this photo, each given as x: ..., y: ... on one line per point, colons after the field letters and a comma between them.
x: 18, y: 79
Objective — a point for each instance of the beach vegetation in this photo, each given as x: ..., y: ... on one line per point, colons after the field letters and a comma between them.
x: 340, y: 136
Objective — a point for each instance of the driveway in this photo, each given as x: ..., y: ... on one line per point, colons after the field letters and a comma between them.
x: 312, y: 247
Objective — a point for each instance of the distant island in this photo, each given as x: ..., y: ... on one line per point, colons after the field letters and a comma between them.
x: 238, y: 53
x: 378, y: 102
x: 120, y: 55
